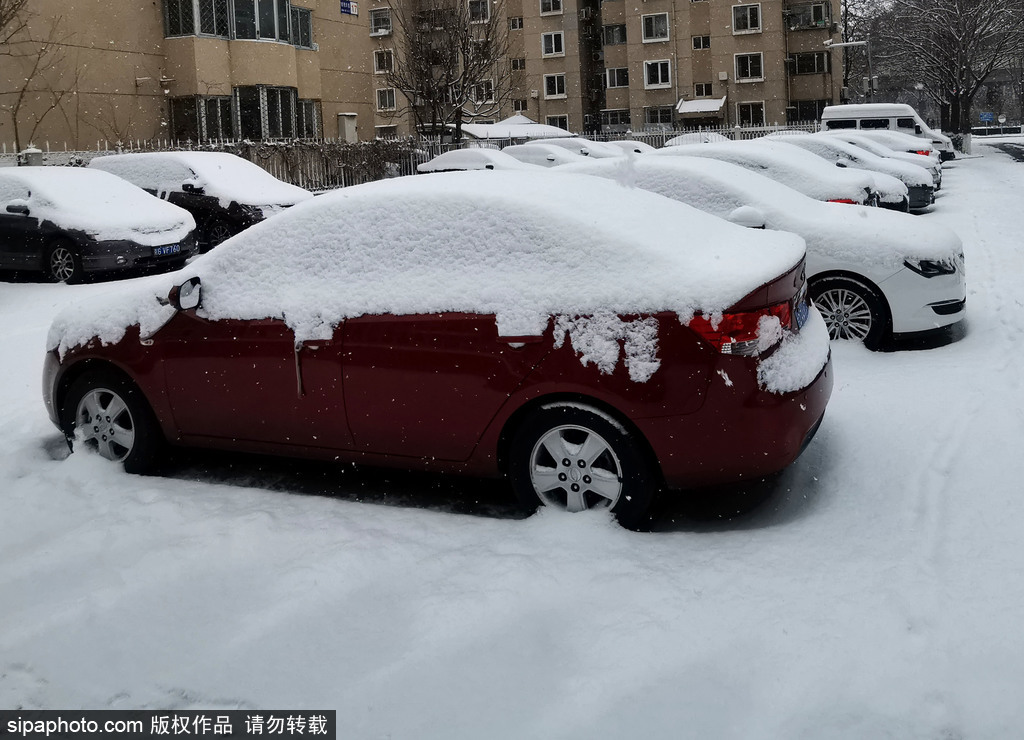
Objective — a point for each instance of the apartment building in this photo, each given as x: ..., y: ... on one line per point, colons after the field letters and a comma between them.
x: 277, y: 69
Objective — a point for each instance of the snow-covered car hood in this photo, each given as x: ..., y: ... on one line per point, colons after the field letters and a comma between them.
x: 523, y: 246
x: 99, y: 204
x: 838, y: 232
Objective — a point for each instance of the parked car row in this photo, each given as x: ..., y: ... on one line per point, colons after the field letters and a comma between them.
x: 71, y: 224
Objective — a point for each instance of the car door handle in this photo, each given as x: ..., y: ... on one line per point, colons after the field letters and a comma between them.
x: 517, y: 342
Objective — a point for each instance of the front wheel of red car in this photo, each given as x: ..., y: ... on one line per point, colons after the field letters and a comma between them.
x: 109, y: 415
x: 575, y: 457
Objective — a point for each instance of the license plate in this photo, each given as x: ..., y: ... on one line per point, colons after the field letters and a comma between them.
x: 169, y: 249
x: 803, y: 308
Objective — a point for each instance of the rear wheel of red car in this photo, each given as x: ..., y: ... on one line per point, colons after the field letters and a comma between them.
x: 575, y: 457
x: 109, y: 415
x: 852, y: 310
x: 63, y: 264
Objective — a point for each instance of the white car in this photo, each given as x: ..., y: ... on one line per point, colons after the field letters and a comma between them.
x: 473, y: 158
x: 789, y: 165
x: 586, y: 147
x: 871, y: 272
x: 542, y: 154
x: 919, y: 181
x: 697, y: 137
x: 894, y: 144
x: 630, y: 146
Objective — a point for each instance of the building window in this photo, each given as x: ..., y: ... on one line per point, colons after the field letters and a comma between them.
x: 550, y: 6
x: 380, y: 22
x: 385, y: 132
x: 261, y: 19
x: 749, y: 68
x: 559, y: 121
x: 655, y: 27
x: 702, y: 90
x: 479, y: 11
x: 519, y: 64
x: 267, y: 112
x: 750, y: 114
x: 701, y: 42
x: 554, y: 86
x: 519, y: 105
x: 746, y: 18
x: 307, y: 119
x: 808, y: 15
x: 658, y: 116
x: 806, y: 110
x: 615, y: 34
x: 482, y: 92
x: 302, y: 27
x: 617, y: 77
x: 657, y: 74
x: 180, y: 18
x: 516, y: 23
x: 615, y: 117
x: 383, y: 61
x: 810, y: 63
x: 216, y: 121
x: 551, y: 44
x: 386, y: 98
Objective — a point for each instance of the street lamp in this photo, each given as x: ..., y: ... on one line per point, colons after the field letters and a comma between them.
x: 866, y: 43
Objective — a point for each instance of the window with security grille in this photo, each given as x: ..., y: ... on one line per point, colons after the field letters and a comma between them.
x: 184, y: 119
x: 552, y: 44
x: 615, y: 34
x: 655, y: 27
x: 383, y: 61
x: 617, y: 77
x: 657, y: 73
x: 179, y: 18
x: 749, y: 67
x: 213, y: 18
x: 554, y: 86
x: 302, y: 27
x: 307, y: 119
x: 746, y: 18
x: 386, y: 98
x: 810, y: 63
x: 217, y: 122
x: 380, y: 22
x: 266, y: 112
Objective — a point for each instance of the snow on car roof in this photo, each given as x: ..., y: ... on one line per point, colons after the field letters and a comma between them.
x: 697, y: 137
x: 521, y: 245
x: 224, y: 176
x: 784, y: 163
x: 631, y: 145
x: 586, y: 147
x: 103, y: 206
x: 473, y: 159
x: 832, y: 148
x: 842, y: 233
x: 542, y: 150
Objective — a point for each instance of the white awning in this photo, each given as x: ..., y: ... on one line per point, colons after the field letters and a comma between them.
x: 702, y: 105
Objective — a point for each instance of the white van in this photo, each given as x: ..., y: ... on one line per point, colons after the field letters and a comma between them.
x: 884, y: 117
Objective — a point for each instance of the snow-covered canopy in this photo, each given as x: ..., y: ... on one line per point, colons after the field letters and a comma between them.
x: 103, y: 206
x: 473, y: 159
x: 521, y: 245
x: 515, y: 127
x: 224, y: 176
x: 833, y: 149
x: 836, y: 234
x: 701, y: 105
x: 787, y: 164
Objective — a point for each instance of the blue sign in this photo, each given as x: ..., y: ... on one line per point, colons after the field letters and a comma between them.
x: 349, y: 7
x: 987, y: 117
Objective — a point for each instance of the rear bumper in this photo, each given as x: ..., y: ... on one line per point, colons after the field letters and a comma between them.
x: 921, y: 196
x: 126, y: 255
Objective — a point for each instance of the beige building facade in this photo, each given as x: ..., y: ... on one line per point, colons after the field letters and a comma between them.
x: 281, y: 69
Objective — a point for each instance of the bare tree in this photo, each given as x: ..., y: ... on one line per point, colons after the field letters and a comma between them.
x: 951, y: 47
x: 449, y: 61
x: 39, y: 81
x: 12, y: 19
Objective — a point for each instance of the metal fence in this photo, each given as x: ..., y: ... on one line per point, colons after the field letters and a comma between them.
x: 326, y: 164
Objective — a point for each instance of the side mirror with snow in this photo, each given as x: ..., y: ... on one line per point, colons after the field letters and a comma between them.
x: 748, y: 216
x: 186, y: 296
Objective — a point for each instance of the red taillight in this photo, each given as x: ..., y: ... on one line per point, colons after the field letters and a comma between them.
x: 924, y: 152
x: 738, y: 333
x: 843, y: 200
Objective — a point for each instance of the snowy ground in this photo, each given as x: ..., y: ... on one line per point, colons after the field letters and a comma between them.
x: 877, y: 593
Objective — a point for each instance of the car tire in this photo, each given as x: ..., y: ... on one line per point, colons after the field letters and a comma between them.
x: 575, y: 457
x: 63, y: 263
x: 108, y: 413
x: 852, y: 309
x: 215, y: 231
